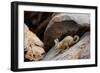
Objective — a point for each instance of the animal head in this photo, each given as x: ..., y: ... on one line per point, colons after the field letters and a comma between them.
x: 57, y: 45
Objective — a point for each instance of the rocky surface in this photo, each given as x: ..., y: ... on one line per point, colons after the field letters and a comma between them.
x: 81, y: 50
x: 42, y: 28
x: 62, y: 25
x: 33, y: 46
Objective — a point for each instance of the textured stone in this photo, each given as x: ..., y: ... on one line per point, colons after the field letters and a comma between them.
x: 80, y: 50
x: 33, y: 46
x: 62, y: 25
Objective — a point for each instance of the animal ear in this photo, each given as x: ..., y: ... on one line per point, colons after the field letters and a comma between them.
x: 56, y: 41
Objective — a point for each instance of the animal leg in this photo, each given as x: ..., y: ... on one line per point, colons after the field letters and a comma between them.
x: 62, y: 50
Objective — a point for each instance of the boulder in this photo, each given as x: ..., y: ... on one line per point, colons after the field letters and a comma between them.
x: 62, y: 25
x: 80, y: 50
x: 33, y: 46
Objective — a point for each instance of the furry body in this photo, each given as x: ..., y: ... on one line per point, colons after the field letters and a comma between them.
x: 66, y: 42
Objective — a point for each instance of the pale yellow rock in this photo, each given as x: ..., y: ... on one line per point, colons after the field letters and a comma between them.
x: 33, y: 46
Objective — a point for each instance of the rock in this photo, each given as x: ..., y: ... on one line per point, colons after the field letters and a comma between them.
x: 62, y: 25
x: 37, y: 21
x: 77, y: 17
x: 33, y: 46
x: 80, y: 50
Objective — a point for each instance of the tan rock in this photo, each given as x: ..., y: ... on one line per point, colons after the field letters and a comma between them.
x: 33, y: 46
